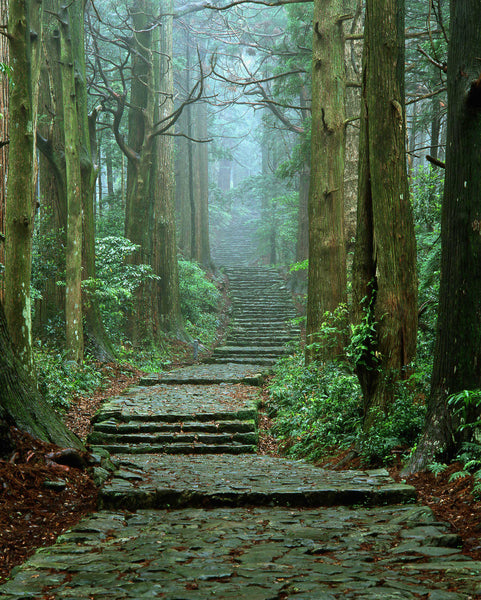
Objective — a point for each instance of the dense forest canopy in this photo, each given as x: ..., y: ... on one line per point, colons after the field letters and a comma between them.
x: 135, y: 132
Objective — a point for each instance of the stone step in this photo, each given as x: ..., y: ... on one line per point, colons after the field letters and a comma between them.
x: 253, y: 340
x: 99, y: 438
x: 285, y: 312
x: 241, y: 361
x: 173, y: 417
x: 206, y: 375
x: 250, y: 351
x: 225, y: 480
x: 192, y: 448
x: 114, y: 427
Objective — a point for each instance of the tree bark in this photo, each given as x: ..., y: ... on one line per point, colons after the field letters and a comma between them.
x: 20, y: 208
x: 21, y: 405
x: 95, y: 330
x: 457, y: 354
x: 73, y: 296
x: 164, y: 253
x: 202, y: 152
x: 138, y: 221
x: 327, y: 279
x: 384, y: 269
x: 182, y: 188
x: 3, y: 138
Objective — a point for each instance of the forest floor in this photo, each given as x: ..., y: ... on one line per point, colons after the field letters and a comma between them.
x: 33, y: 515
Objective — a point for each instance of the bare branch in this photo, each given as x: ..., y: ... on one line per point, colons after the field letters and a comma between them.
x: 190, y: 138
x: 425, y: 96
x: 436, y: 162
x: 198, y: 6
x: 443, y: 66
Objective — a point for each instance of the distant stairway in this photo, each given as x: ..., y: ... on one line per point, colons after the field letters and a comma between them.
x: 235, y: 246
x: 262, y: 310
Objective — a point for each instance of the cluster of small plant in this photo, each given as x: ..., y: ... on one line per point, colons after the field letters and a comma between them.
x: 464, y: 405
x: 199, y: 302
x: 318, y: 410
x: 60, y: 379
x: 114, y: 287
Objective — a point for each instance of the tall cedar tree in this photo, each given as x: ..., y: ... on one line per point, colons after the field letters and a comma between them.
x: 73, y: 272
x: 20, y: 208
x: 327, y: 255
x: 164, y: 246
x: 457, y: 355
x: 384, y: 267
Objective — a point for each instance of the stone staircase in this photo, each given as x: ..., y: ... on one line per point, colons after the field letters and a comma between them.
x: 235, y: 246
x: 165, y: 418
x: 210, y: 408
x: 261, y: 318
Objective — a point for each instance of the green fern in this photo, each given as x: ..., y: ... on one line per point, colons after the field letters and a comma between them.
x: 437, y: 468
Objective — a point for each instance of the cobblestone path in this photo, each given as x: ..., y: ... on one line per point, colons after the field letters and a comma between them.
x: 192, y: 513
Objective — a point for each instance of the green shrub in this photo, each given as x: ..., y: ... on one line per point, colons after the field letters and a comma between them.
x: 398, y: 429
x: 116, y: 281
x: 319, y: 408
x: 199, y: 302
x: 316, y: 408
x: 60, y: 379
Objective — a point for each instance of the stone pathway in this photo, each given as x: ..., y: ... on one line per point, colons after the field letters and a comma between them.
x: 191, y: 513
x: 262, y: 313
x: 252, y: 554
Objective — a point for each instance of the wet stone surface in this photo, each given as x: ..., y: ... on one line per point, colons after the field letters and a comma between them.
x: 396, y: 552
x: 162, y: 481
x: 250, y: 374
x: 170, y: 402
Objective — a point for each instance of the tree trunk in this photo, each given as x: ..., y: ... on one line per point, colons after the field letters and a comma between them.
x: 100, y: 344
x: 457, y: 354
x: 20, y: 208
x: 21, y: 405
x: 73, y: 297
x: 384, y: 269
x: 302, y: 240
x: 182, y: 187
x: 3, y: 138
x: 50, y: 307
x: 164, y: 252
x: 327, y: 255
x: 353, y: 61
x: 202, y: 152
x: 138, y: 222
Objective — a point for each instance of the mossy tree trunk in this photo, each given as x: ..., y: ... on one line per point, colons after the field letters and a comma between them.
x: 202, y: 161
x: 384, y: 267
x: 182, y: 188
x: 138, y: 218
x: 457, y: 354
x: 164, y: 244
x: 3, y: 139
x: 327, y: 255
x: 20, y: 207
x: 95, y: 330
x: 21, y: 405
x: 73, y: 278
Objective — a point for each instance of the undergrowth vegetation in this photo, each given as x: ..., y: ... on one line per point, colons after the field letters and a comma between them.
x: 318, y: 409
x: 114, y: 287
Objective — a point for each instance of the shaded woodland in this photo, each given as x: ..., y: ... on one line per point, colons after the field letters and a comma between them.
x: 344, y: 133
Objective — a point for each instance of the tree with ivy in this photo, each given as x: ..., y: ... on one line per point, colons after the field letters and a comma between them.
x: 384, y: 268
